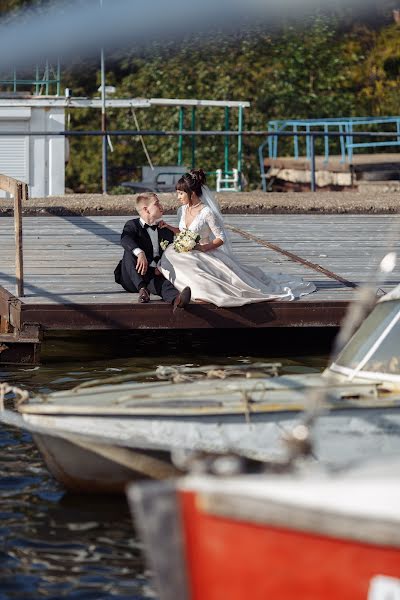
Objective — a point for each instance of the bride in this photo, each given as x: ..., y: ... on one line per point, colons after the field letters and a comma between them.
x: 211, y: 269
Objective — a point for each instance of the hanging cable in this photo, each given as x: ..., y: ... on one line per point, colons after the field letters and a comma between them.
x: 142, y: 140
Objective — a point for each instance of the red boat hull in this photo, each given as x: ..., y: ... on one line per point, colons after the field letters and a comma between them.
x: 229, y: 559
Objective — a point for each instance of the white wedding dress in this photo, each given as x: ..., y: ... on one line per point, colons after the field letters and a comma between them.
x: 216, y: 276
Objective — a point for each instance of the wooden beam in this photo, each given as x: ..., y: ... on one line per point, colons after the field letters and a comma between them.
x: 8, y: 184
x: 21, y: 193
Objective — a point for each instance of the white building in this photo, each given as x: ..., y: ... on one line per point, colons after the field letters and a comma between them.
x: 39, y: 160
x: 36, y: 160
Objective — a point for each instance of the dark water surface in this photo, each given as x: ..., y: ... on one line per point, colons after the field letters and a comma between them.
x: 54, y: 544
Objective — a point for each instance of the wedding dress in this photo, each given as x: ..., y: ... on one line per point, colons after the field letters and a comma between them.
x: 217, y: 277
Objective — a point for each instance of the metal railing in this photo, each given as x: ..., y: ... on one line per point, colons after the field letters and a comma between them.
x: 45, y: 78
x: 310, y: 137
x: 19, y: 191
x: 344, y: 127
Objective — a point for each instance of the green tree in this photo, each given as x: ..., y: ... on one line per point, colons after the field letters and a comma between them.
x: 299, y: 73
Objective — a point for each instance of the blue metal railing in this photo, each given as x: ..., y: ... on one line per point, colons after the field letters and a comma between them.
x: 346, y: 126
x: 344, y: 129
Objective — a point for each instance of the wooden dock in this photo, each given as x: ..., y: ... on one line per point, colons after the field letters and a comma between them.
x: 69, y: 283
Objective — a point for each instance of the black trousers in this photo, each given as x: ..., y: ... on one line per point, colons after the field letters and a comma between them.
x: 127, y: 276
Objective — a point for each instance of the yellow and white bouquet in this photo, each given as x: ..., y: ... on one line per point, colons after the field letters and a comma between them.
x: 185, y: 240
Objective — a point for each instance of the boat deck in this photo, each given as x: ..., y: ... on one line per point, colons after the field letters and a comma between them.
x: 69, y: 263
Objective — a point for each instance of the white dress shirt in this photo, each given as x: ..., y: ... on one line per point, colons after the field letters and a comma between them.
x: 153, y: 233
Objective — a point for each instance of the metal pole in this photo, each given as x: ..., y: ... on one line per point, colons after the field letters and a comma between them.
x: 180, y: 139
x: 47, y: 75
x: 240, y: 145
x: 103, y: 119
x: 311, y: 139
x: 226, y: 144
x: 58, y: 76
x: 37, y: 89
x: 193, y: 137
x: 262, y: 165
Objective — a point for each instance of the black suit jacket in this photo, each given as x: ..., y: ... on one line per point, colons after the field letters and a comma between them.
x: 135, y: 236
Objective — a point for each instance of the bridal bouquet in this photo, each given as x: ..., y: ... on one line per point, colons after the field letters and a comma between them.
x: 185, y: 240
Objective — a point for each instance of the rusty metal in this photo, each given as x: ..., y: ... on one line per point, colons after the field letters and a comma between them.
x: 20, y: 342
x: 10, y: 308
x: 15, y: 350
x: 292, y: 256
x: 22, y: 324
x: 158, y: 315
x: 5, y: 320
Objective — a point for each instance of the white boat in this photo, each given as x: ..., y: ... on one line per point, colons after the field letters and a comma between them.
x: 98, y: 437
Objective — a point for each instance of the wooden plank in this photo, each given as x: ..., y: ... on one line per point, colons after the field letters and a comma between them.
x: 21, y: 194
x: 8, y: 184
x: 20, y: 191
x: 69, y: 267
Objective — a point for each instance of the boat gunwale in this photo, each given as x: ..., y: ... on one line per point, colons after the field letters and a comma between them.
x: 240, y: 408
x: 263, y: 510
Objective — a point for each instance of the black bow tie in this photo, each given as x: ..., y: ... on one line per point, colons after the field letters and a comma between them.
x: 147, y: 226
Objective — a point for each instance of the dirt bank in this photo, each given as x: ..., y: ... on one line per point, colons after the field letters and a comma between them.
x: 369, y: 202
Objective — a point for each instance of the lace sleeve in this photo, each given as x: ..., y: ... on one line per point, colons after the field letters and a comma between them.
x: 215, y: 225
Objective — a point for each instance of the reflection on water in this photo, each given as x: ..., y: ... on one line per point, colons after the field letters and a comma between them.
x: 56, y: 545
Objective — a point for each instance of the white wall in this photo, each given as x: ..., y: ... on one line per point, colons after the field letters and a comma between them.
x: 36, y: 160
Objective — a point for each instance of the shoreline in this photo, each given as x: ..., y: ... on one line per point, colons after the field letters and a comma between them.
x: 256, y: 202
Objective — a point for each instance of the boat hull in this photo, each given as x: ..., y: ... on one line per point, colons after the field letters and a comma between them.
x: 84, y: 467
x: 307, y: 536
x: 126, y: 423
x: 238, y: 560
x: 340, y: 437
x: 104, y: 453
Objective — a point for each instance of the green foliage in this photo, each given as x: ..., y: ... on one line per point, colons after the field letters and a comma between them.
x: 380, y: 74
x: 308, y: 74
x: 298, y: 73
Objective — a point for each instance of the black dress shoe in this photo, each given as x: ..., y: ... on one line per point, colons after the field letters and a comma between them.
x: 144, y: 296
x: 182, y: 299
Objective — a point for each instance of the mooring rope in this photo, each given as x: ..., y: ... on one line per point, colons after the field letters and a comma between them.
x: 179, y: 374
x: 20, y: 395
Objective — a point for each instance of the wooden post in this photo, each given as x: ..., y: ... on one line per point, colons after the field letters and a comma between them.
x: 19, y: 191
x: 21, y: 194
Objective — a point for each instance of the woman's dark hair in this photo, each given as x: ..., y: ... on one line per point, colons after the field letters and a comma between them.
x: 191, y: 182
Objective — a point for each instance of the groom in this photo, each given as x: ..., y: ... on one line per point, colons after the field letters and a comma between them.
x: 141, y: 238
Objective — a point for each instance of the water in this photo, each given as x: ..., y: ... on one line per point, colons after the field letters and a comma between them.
x: 55, y: 544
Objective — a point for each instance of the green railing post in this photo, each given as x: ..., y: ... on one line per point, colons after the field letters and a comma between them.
x: 180, y: 139
x: 193, y: 137
x: 240, y: 145
x: 226, y: 144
